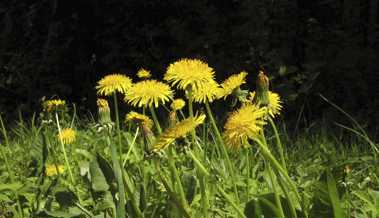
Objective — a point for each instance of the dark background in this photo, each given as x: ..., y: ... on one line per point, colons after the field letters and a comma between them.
x: 63, y: 47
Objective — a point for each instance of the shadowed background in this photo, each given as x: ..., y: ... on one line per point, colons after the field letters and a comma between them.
x: 62, y: 48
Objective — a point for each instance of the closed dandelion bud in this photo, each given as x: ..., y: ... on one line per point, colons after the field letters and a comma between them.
x: 262, y: 96
x: 104, y: 111
x: 172, y: 118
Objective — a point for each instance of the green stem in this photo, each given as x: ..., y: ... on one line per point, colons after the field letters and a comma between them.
x: 288, y: 196
x: 120, y: 184
x: 248, y: 175
x: 279, y: 143
x: 200, y: 166
x: 229, y: 199
x: 117, y: 124
x: 223, y: 148
x: 276, y: 193
x: 155, y: 118
x: 190, y: 110
x: 131, y: 190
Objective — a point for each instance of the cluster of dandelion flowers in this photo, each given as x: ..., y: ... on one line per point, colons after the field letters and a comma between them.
x: 274, y: 105
x: 232, y: 83
x: 148, y: 93
x: 189, y: 73
x: 112, y: 83
x: 140, y: 119
x: 51, y: 170
x: 51, y: 105
x: 177, y: 104
x: 143, y: 74
x: 67, y: 136
x: 179, y: 130
x: 206, y: 93
x: 243, y: 124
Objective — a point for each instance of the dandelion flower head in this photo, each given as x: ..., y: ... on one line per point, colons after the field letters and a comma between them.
x: 51, y: 170
x: 67, y: 136
x: 232, y: 83
x: 177, y: 104
x: 180, y: 129
x: 148, y: 93
x: 143, y: 74
x: 206, y: 93
x: 274, y: 105
x: 189, y: 73
x: 243, y: 124
x: 51, y: 105
x: 139, y: 119
x: 112, y: 83
x: 102, y: 104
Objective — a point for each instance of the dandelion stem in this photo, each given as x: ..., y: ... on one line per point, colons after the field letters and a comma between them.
x: 155, y: 118
x: 279, y: 144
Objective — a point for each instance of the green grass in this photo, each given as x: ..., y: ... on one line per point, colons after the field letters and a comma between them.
x: 316, y: 175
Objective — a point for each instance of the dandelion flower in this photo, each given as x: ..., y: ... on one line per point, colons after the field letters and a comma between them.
x: 51, y: 170
x: 274, y: 105
x: 142, y: 73
x: 112, y: 83
x: 179, y: 130
x: 51, y: 105
x: 262, y: 96
x: 148, y: 93
x: 177, y: 104
x: 243, y: 124
x: 206, y: 93
x: 232, y: 83
x: 67, y: 136
x: 139, y: 118
x: 189, y: 73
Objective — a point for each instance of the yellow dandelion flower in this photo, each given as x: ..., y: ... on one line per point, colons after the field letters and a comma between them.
x: 139, y: 118
x: 177, y: 104
x: 208, y: 92
x: 232, y: 83
x: 189, y: 73
x: 51, y: 170
x: 112, y: 83
x: 142, y: 73
x: 148, y: 93
x: 67, y: 136
x: 51, y: 105
x: 274, y: 105
x: 102, y: 104
x: 180, y: 129
x: 243, y: 124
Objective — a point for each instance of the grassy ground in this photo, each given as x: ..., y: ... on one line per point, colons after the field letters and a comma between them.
x: 111, y: 172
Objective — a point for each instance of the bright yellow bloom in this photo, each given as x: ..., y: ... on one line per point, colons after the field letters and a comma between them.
x: 112, y: 83
x: 148, y: 93
x: 232, y: 83
x: 142, y: 73
x: 67, y: 136
x: 208, y: 92
x: 243, y: 124
x: 51, y: 105
x: 102, y: 104
x: 180, y: 129
x: 274, y: 105
x: 51, y: 170
x: 189, y: 73
x: 177, y: 104
x: 139, y: 118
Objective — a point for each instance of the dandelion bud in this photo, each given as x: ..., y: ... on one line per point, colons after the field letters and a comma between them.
x: 104, y: 111
x: 262, y: 96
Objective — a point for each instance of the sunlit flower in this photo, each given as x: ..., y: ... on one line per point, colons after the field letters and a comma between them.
x: 112, y: 83
x: 189, y: 73
x: 139, y: 119
x: 148, y: 93
x: 177, y: 104
x: 243, y: 124
x: 51, y: 105
x: 102, y: 104
x: 232, y: 83
x: 274, y: 105
x: 51, y: 170
x: 67, y: 136
x: 206, y: 93
x: 142, y: 73
x: 179, y: 130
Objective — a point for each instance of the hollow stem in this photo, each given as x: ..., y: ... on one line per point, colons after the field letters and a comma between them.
x: 155, y: 118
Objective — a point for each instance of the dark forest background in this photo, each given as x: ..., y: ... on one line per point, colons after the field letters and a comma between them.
x: 63, y: 47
